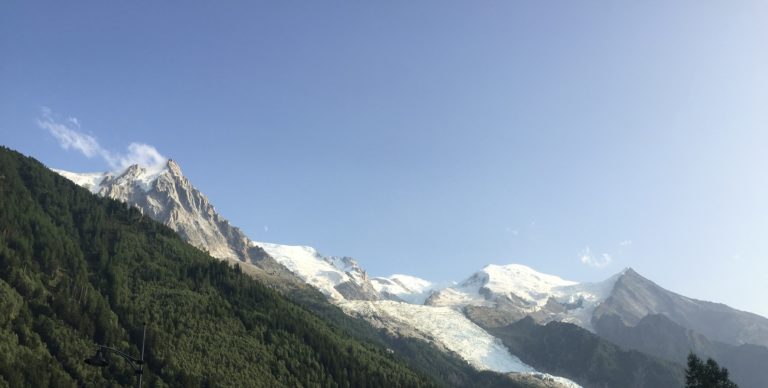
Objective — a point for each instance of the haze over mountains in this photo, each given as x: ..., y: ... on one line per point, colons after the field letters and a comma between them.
x: 472, y: 318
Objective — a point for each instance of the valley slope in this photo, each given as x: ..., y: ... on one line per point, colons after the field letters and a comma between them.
x: 495, y: 297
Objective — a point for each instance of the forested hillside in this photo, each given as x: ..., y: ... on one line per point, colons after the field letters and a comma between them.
x: 77, y: 270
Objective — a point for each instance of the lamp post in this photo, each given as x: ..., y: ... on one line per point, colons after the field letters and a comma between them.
x: 100, y: 358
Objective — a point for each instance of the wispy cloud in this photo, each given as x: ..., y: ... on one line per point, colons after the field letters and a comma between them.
x: 588, y: 258
x: 71, y: 136
x: 625, y: 243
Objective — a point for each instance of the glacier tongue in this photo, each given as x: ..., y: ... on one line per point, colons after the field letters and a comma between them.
x: 446, y: 327
x: 449, y: 329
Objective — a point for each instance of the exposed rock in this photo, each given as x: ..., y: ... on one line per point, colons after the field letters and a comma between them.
x: 634, y: 297
x: 167, y: 196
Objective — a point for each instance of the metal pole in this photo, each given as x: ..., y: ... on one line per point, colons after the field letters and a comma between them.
x: 141, y: 366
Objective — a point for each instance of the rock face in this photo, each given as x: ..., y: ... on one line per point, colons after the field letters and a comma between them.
x: 570, y: 351
x: 169, y: 197
x: 625, y: 309
x: 634, y: 297
x: 166, y: 195
x: 659, y: 336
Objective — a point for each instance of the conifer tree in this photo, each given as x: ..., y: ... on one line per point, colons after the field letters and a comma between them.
x: 707, y: 374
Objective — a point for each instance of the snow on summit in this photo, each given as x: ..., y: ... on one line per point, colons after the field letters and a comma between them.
x: 527, y: 291
x: 91, y: 181
x: 522, y: 281
x: 404, y: 287
x: 309, y: 266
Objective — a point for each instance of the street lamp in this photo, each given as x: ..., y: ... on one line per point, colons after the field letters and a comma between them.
x: 100, y: 358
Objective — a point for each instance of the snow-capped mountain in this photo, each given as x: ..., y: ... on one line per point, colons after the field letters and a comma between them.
x: 450, y: 315
x: 634, y: 297
x: 167, y: 196
x: 338, y: 278
x: 520, y: 291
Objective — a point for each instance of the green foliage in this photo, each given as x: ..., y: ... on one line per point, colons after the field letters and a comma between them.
x: 707, y: 374
x: 77, y: 269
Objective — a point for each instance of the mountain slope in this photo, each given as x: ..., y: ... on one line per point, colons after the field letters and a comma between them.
x: 406, y: 288
x: 517, y: 291
x: 450, y: 330
x: 337, y: 278
x: 167, y: 196
x: 659, y: 336
x: 496, y: 295
x: 445, y: 369
x: 634, y: 297
x: 568, y: 350
x: 76, y: 269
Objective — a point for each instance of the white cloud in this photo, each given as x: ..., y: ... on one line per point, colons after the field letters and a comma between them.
x: 70, y: 136
x: 141, y: 154
x: 625, y: 243
x: 588, y: 258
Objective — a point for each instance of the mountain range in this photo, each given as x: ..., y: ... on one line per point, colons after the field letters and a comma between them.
x: 488, y: 319
x: 78, y: 270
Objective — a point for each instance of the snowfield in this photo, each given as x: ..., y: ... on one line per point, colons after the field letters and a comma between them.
x: 449, y: 329
x: 531, y: 289
x: 308, y: 265
x: 90, y: 181
x: 408, y: 288
x: 446, y: 327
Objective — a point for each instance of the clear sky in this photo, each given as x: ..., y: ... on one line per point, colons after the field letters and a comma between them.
x: 429, y: 137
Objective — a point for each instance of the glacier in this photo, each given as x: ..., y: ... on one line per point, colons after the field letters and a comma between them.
x: 403, y: 304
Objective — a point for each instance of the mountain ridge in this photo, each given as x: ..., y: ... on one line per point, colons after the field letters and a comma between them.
x: 503, y: 294
x: 77, y: 270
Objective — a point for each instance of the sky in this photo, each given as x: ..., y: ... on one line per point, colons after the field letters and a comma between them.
x: 428, y: 138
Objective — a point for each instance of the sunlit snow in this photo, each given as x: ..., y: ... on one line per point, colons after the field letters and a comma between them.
x: 307, y: 264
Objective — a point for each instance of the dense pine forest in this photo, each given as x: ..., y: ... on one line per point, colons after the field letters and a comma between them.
x: 76, y: 270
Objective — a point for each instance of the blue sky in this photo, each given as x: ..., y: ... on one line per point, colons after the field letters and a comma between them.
x: 434, y: 137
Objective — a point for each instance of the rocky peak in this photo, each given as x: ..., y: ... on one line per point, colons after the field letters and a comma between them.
x: 630, y: 272
x: 133, y: 171
x: 634, y: 297
x: 164, y: 194
x: 173, y: 167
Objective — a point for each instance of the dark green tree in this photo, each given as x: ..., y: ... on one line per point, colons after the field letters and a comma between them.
x: 707, y: 374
